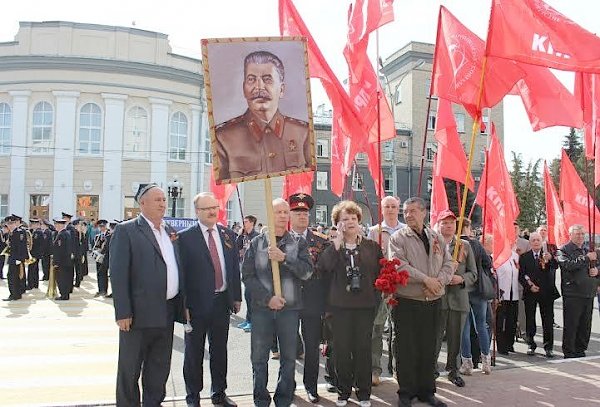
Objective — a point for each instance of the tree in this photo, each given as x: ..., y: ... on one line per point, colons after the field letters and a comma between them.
x: 453, y: 199
x: 527, y: 183
x: 573, y: 145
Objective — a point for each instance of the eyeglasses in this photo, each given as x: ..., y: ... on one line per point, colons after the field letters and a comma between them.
x: 209, y: 208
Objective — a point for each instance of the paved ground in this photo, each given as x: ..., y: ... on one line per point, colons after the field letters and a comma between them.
x: 65, y: 353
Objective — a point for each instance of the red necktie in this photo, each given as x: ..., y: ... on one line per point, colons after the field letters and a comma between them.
x: 214, y: 255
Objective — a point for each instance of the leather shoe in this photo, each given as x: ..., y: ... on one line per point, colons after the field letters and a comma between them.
x: 456, y: 380
x: 531, y: 351
x: 224, y: 401
x: 193, y: 404
x: 549, y: 353
x: 432, y: 401
x: 404, y: 401
x: 313, y: 397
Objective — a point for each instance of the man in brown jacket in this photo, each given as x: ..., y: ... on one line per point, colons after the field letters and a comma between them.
x: 423, y: 254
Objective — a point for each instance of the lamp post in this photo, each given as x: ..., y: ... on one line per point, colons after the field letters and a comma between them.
x: 174, y: 190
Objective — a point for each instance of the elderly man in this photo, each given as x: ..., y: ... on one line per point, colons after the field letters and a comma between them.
x: 275, y: 314
x: 390, y: 208
x: 262, y: 140
x: 455, y: 302
x: 579, y: 283
x: 147, y: 289
x: 423, y: 254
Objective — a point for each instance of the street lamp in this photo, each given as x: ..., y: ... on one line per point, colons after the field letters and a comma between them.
x: 174, y: 190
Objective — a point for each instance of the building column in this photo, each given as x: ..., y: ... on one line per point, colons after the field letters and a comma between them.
x: 111, y: 201
x: 63, y: 197
x: 196, y: 156
x: 159, y: 144
x: 18, y: 151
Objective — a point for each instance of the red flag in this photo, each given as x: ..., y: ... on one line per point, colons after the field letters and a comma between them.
x: 346, y: 123
x: 439, y: 199
x: 574, y: 195
x: 450, y: 150
x: 502, y: 207
x: 297, y: 183
x: 532, y: 32
x: 222, y: 193
x: 547, y: 101
x: 457, y: 64
x: 587, y: 93
x: 557, y: 230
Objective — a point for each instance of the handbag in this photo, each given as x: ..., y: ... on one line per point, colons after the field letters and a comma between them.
x: 486, y: 285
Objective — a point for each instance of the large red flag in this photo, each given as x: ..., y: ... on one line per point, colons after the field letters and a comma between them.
x: 501, y: 206
x: 557, y: 230
x: 439, y: 198
x: 532, y: 32
x: 575, y: 197
x: 222, y: 193
x: 547, y: 101
x: 297, y: 183
x: 346, y: 123
x: 450, y: 150
x: 457, y: 65
x: 587, y: 93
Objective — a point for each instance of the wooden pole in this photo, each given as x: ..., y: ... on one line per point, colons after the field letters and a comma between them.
x: 272, y: 238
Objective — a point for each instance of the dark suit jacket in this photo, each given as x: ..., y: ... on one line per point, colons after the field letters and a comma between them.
x: 543, y: 278
x: 199, y: 272
x: 138, y: 274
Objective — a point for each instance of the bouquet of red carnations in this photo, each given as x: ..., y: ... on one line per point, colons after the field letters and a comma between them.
x: 390, y: 278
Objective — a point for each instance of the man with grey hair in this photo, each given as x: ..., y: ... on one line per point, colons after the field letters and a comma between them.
x: 579, y: 283
x: 262, y: 140
x: 275, y: 314
x: 422, y: 252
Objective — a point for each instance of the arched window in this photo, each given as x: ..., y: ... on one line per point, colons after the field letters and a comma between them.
x: 90, y: 129
x: 42, y: 128
x: 178, y: 136
x: 5, y: 128
x: 136, y: 133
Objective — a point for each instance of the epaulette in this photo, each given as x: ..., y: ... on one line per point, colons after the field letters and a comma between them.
x: 296, y: 121
x: 235, y: 120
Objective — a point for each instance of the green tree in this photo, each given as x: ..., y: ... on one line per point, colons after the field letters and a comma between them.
x: 528, y: 186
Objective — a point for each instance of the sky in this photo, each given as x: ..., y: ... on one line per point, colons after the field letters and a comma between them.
x: 186, y: 22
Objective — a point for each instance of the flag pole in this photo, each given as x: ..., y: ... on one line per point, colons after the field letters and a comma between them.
x: 237, y: 189
x: 458, y: 194
x: 380, y: 172
x: 587, y: 187
x: 470, y: 161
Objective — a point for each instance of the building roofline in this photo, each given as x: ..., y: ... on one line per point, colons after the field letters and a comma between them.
x: 91, y: 26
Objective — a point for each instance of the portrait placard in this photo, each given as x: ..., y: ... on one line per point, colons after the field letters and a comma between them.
x: 259, y: 107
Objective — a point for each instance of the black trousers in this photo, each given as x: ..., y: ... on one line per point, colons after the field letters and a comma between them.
x: 415, y: 329
x: 330, y: 374
x: 311, y: 334
x: 78, y: 271
x: 15, y: 287
x: 145, y: 351
x: 2, y: 258
x: 352, y: 330
x: 46, y: 267
x: 102, y: 277
x: 547, y: 313
x: 577, y: 321
x: 33, y: 275
x: 64, y: 281
x: 216, y: 327
x: 506, y: 324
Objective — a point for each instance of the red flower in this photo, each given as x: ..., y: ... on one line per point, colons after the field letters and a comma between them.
x: 390, y: 278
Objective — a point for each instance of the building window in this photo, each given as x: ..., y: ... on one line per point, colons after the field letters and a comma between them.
x: 431, y: 121
x: 485, y: 125
x: 361, y: 156
x: 430, y: 152
x: 357, y: 181
x: 178, y: 137
x: 388, y: 181
x: 39, y: 206
x: 388, y: 150
x: 429, y: 184
x: 229, y: 210
x: 88, y: 206
x: 41, y: 130
x: 322, y: 180
x: 398, y: 95
x: 136, y: 133
x: 460, y: 122
x: 90, y: 129
x: 322, y: 148
x: 321, y: 214
x: 131, y: 209
x: 3, y: 206
x: 207, y: 150
x: 179, y: 208
x: 5, y: 128
x: 427, y: 87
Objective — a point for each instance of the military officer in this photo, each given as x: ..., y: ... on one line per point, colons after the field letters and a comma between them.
x: 73, y: 239
x: 262, y: 140
x: 80, y: 250
x: 17, y: 241
x: 37, y: 251
x: 61, y: 256
x: 47, y: 229
x: 3, y: 245
x: 313, y: 291
x: 100, y: 248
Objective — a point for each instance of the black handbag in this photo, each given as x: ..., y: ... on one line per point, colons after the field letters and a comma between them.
x: 486, y: 285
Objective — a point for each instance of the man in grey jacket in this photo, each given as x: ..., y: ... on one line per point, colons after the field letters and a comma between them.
x: 274, y: 314
x: 423, y: 255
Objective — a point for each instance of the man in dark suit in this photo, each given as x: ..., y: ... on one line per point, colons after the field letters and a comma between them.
x: 210, y: 265
x: 61, y: 259
x: 536, y: 274
x: 148, y: 297
x: 17, y: 240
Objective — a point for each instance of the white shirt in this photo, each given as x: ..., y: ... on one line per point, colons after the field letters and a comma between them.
x: 508, y: 275
x: 217, y: 236
x: 168, y: 255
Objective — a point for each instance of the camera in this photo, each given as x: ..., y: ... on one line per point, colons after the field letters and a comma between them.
x: 354, y: 276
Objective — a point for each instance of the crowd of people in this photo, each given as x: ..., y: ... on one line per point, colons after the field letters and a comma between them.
x: 308, y: 293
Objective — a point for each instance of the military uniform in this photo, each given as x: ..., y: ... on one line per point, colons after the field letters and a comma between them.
x: 3, y: 244
x: 247, y: 146
x: 61, y: 259
x: 18, y: 254
x: 100, y: 246
x: 37, y: 251
x: 47, y: 251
